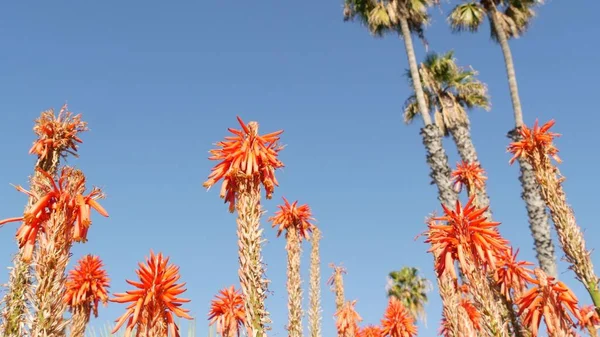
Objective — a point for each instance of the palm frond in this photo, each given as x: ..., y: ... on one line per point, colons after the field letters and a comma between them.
x: 466, y: 17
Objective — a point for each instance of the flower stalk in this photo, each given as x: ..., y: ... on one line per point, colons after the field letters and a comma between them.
x: 57, y: 136
x: 314, y: 313
x: 536, y: 146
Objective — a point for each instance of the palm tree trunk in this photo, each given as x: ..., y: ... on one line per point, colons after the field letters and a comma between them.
x: 314, y: 313
x: 251, y: 272
x: 536, y: 208
x: 294, y: 287
x: 466, y: 149
x: 432, y: 136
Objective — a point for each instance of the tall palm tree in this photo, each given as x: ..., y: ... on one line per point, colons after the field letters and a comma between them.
x: 510, y: 19
x: 411, y: 289
x: 405, y: 17
x: 449, y: 91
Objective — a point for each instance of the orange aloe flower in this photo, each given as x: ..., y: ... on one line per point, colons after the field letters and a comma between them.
x: 67, y: 193
x: 87, y: 284
x: 293, y: 216
x: 538, y: 138
x: 246, y: 153
x: 155, y: 297
x: 347, y: 320
x: 57, y: 132
x: 472, y: 312
x: 550, y: 300
x: 470, y: 175
x: 397, y: 321
x: 467, y: 231
x: 227, y: 310
x: 512, y: 274
x: 370, y: 331
x: 589, y: 317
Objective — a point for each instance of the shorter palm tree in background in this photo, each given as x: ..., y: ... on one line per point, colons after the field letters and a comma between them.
x: 410, y: 289
x: 450, y: 91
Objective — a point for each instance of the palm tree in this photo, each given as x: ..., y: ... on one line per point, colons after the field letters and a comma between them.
x: 405, y: 17
x: 411, y: 289
x: 449, y: 91
x: 510, y: 19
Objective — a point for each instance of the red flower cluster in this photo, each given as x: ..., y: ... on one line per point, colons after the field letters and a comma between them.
x: 57, y: 133
x: 466, y: 233
x: 154, y: 298
x: 227, y: 310
x: 249, y: 154
x: 87, y: 284
x: 293, y: 217
x: 66, y: 197
x: 537, y: 139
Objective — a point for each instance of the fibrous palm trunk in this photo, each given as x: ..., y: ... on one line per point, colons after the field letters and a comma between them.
x: 466, y: 149
x: 536, y: 210
x: 251, y: 272
x: 432, y: 136
x: 16, y: 314
x: 314, y: 313
x: 294, y: 286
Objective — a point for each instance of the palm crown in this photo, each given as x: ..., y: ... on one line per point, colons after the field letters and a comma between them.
x: 411, y: 289
x: 449, y: 91
x: 514, y: 16
x: 382, y: 16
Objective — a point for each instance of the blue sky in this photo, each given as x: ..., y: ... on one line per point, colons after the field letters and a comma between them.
x: 159, y: 83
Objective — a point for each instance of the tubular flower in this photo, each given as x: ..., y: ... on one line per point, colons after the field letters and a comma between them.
x: 589, y: 317
x: 247, y: 154
x: 87, y: 283
x: 65, y: 194
x: 227, y: 310
x: 472, y: 312
x: 470, y: 175
x: 155, y: 300
x: 512, y: 274
x: 292, y: 216
x: 551, y: 300
x: 466, y: 232
x: 370, y: 331
x: 57, y: 132
x: 347, y: 320
x: 397, y: 320
x: 536, y: 139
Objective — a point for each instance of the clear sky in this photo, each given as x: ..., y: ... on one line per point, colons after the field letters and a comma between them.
x: 159, y: 82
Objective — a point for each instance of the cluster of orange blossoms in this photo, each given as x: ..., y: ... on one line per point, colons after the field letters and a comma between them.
x: 396, y: 322
x: 248, y: 154
x: 347, y: 319
x: 538, y: 139
x: 87, y: 284
x: 470, y: 175
x: 155, y: 297
x: 291, y: 216
x: 57, y: 133
x: 227, y: 311
x: 66, y: 195
x: 466, y: 231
